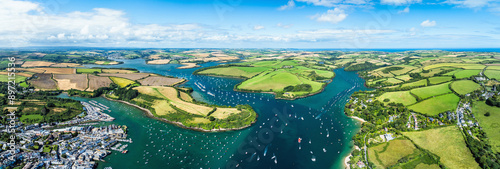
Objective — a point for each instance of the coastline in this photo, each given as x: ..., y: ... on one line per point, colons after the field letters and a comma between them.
x: 357, y: 118
x: 179, y: 124
x: 346, y: 161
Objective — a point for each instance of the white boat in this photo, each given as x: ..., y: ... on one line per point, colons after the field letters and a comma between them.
x: 211, y: 94
x: 313, y: 158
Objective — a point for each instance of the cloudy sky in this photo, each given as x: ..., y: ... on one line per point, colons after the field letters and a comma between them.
x: 335, y: 24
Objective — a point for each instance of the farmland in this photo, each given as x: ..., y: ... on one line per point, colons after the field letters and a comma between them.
x: 5, y: 78
x: 395, y: 70
x: 30, y: 119
x: 71, y: 81
x: 439, y: 79
x: 170, y: 94
x: 404, y: 77
x: 82, y: 70
x: 492, y: 74
x: 160, y: 81
x: 403, y: 97
x: 51, y: 70
x: 464, y: 86
x: 245, y: 72
x: 130, y: 76
x: 113, y: 71
x: 436, y: 105
x: 44, y: 82
x: 188, y: 66
x: 447, y: 143
x: 122, y: 82
x: 66, y: 65
x: 37, y: 64
x: 466, y: 73
x: 96, y: 82
x: 429, y: 91
x: 419, y: 83
x: 276, y: 81
x: 489, y: 123
x: 457, y: 65
x: 166, y: 104
x: 158, y: 62
x: 387, y: 154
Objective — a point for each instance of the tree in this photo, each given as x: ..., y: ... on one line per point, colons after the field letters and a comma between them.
x: 50, y: 104
x: 487, y: 114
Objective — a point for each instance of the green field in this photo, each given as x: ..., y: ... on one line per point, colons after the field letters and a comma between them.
x: 439, y: 79
x: 403, y: 97
x: 435, y: 71
x: 246, y: 72
x: 122, y: 82
x: 492, y: 74
x: 429, y: 91
x: 464, y: 86
x: 447, y: 143
x: 422, y: 82
x: 387, y: 154
x: 466, y: 73
x: 457, y: 65
x: 490, y: 124
x: 373, y: 81
x: 88, y: 70
x: 276, y: 81
x: 452, y: 72
x: 404, y: 77
x: 18, y: 79
x: 393, y: 81
x: 436, y: 105
x: 30, y: 119
x: 402, y: 69
x: 23, y: 84
x: 493, y: 68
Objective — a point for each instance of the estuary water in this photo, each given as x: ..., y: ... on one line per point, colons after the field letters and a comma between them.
x: 272, y: 142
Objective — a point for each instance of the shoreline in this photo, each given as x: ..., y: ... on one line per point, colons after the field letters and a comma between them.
x: 346, y: 161
x: 179, y: 124
x: 358, y: 119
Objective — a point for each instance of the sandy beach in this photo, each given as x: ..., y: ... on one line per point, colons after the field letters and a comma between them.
x: 358, y: 119
x: 346, y: 160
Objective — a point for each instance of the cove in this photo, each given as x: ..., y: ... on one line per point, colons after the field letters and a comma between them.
x: 272, y: 142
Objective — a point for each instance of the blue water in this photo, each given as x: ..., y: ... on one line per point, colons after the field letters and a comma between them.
x: 317, y: 119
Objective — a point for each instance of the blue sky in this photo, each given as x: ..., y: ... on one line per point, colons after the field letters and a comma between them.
x: 252, y: 24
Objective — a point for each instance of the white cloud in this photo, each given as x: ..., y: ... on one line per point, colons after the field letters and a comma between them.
x: 406, y: 10
x: 333, y: 3
x: 399, y: 2
x: 333, y: 16
x: 289, y: 5
x: 470, y: 3
x: 29, y: 24
x: 428, y: 23
x: 258, y: 27
x: 284, y: 26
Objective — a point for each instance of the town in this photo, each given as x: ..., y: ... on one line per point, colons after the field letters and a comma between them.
x: 76, y: 145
